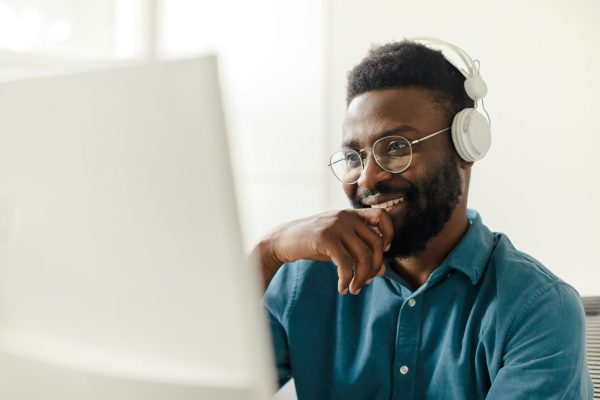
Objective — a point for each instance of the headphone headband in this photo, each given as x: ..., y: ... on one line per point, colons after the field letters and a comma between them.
x: 475, y: 86
x: 464, y: 56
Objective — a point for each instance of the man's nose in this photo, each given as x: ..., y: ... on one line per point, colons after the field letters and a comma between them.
x: 372, y: 174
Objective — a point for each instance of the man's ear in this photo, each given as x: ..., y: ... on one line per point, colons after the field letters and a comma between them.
x: 462, y: 163
x: 465, y: 164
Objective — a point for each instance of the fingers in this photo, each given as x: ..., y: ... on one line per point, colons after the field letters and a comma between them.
x: 363, y: 256
x: 380, y: 272
x: 380, y: 219
x: 345, y: 266
x: 354, y: 240
x: 353, y: 258
x: 366, y: 247
x: 375, y: 242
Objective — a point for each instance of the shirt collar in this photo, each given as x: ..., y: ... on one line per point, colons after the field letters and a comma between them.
x: 471, y: 254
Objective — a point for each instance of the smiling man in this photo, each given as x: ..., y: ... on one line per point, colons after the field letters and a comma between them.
x: 408, y: 295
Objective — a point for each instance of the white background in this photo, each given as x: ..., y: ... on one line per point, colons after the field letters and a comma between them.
x: 283, y: 66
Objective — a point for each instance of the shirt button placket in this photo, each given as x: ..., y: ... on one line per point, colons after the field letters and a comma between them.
x: 409, y: 330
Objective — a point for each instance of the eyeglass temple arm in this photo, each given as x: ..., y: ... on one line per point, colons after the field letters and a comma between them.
x: 428, y: 136
x: 413, y: 142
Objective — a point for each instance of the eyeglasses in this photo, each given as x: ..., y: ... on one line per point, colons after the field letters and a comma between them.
x: 392, y: 154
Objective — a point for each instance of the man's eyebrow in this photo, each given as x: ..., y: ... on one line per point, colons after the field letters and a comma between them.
x: 353, y: 143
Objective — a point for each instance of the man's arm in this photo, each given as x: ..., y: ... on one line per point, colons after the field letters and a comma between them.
x: 544, y: 357
x: 346, y: 237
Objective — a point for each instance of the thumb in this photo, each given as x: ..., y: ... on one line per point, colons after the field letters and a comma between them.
x: 382, y: 270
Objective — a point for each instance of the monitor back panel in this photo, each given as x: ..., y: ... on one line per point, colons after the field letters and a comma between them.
x: 120, y: 249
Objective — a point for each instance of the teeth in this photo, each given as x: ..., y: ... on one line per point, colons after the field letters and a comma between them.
x: 388, y: 204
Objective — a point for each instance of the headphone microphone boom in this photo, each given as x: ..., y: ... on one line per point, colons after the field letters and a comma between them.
x: 471, y: 131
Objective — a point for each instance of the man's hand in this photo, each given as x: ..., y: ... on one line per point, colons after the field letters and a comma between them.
x: 354, y: 239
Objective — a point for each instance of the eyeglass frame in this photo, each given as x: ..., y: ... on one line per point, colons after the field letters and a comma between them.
x: 411, y: 143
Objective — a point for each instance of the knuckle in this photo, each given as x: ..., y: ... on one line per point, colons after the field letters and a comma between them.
x: 345, y: 263
x: 342, y: 216
x: 341, y: 213
x: 335, y: 225
x: 365, y: 257
x: 378, y: 240
x: 344, y: 275
x: 348, y: 263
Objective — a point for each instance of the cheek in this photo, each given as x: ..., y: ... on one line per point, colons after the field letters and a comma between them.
x: 425, y: 161
x: 350, y: 191
x: 418, y: 164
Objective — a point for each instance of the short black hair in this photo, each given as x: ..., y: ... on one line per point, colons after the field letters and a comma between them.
x: 405, y: 64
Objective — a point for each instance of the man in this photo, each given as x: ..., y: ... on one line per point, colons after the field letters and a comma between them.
x: 430, y: 304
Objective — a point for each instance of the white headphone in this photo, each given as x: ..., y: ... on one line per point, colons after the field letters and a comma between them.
x: 471, y: 131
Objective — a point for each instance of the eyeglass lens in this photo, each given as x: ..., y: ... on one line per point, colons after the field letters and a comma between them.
x: 392, y: 153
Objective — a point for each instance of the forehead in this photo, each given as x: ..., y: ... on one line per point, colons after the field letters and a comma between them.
x: 371, y: 114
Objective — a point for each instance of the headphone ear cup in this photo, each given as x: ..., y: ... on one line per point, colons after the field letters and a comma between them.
x: 471, y: 135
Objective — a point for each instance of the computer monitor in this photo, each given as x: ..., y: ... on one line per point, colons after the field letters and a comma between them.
x: 122, y: 271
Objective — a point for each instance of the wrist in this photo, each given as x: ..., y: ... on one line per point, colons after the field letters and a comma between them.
x: 268, y: 259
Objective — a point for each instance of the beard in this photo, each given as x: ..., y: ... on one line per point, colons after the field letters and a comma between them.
x: 429, y: 206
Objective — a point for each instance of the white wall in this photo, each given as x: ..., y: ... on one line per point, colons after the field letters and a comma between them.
x: 283, y: 73
x: 271, y: 59
x: 67, y: 28
x: 540, y: 183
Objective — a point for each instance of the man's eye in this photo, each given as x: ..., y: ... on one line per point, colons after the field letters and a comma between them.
x: 397, y: 148
x: 352, y: 157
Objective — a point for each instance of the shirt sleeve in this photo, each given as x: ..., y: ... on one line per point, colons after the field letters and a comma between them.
x: 277, y: 301
x: 280, y: 350
x: 544, y: 357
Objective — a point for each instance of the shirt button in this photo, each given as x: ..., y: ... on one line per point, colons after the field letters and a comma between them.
x: 404, y: 370
x: 412, y: 302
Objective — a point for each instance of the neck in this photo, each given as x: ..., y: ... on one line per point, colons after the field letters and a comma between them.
x: 416, y: 270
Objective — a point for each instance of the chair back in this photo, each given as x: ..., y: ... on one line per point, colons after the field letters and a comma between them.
x: 591, y: 306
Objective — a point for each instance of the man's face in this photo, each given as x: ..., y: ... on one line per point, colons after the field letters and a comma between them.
x: 430, y: 187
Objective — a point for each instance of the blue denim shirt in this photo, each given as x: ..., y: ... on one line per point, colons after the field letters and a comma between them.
x: 490, y: 322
